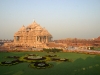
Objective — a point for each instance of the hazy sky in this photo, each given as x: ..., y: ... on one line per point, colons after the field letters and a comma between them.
x: 62, y: 18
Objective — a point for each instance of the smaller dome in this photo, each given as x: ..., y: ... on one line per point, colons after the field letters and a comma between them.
x: 22, y: 28
x: 17, y: 34
x: 45, y: 32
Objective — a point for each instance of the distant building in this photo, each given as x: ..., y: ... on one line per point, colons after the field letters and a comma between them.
x: 79, y: 42
x: 97, y: 41
x: 5, y: 41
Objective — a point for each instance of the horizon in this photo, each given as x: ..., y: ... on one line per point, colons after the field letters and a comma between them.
x: 63, y: 19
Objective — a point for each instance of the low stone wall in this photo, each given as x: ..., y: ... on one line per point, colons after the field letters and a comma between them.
x: 83, y: 51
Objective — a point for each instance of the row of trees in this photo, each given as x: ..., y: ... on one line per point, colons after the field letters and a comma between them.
x: 52, y: 50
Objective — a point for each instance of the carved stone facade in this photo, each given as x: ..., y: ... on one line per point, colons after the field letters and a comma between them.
x: 32, y: 36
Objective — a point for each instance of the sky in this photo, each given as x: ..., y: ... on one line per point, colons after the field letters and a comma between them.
x: 62, y: 18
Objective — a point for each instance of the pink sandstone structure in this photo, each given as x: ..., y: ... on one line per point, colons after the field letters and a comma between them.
x: 31, y: 36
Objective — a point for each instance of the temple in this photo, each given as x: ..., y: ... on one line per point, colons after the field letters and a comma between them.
x: 32, y: 36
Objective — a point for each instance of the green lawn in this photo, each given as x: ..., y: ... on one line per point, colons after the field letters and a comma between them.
x: 82, y: 64
x: 96, y: 48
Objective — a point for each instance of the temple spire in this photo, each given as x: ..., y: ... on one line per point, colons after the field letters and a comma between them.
x: 33, y: 20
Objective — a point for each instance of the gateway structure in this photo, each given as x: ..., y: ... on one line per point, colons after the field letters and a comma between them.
x: 32, y: 36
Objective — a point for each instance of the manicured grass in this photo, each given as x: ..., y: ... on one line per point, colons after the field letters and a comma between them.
x: 97, y: 48
x: 82, y: 64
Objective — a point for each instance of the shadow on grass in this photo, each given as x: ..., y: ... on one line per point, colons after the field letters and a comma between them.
x: 88, y: 66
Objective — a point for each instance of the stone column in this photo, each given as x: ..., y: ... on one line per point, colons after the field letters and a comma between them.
x: 36, y: 38
x: 39, y: 38
x: 46, y: 39
x: 42, y: 39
